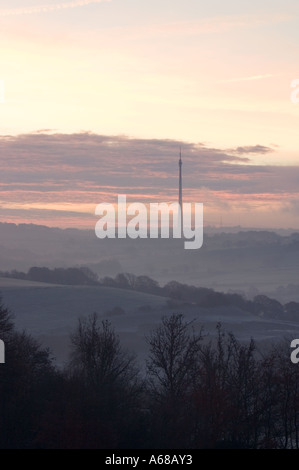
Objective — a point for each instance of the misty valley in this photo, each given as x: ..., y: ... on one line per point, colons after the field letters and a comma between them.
x: 149, y: 231
x: 148, y: 362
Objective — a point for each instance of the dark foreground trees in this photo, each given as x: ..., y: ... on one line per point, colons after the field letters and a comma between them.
x: 99, y: 406
x: 198, y: 391
x: 220, y: 392
x: 172, y: 370
x: 108, y: 384
x: 27, y: 380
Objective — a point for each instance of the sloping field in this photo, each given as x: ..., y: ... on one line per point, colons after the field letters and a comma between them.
x: 50, y: 313
x: 12, y: 283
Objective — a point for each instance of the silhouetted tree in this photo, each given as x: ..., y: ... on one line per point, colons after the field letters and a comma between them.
x: 173, y: 356
x: 171, y: 368
x: 26, y: 381
x: 108, y: 382
x: 97, y: 355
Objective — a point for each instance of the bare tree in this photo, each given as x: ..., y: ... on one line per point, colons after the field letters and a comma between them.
x: 107, y: 383
x: 172, y: 368
x: 173, y: 359
x: 97, y: 354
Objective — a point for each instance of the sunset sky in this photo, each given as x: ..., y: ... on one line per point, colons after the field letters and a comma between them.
x: 99, y: 95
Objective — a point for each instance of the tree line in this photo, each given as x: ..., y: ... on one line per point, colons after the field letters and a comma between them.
x: 197, y: 392
x: 179, y: 294
x: 81, y: 276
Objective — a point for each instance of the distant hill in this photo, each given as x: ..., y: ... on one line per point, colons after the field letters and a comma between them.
x: 247, y: 261
x: 178, y: 295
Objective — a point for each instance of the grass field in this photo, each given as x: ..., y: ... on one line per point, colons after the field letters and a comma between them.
x: 50, y: 313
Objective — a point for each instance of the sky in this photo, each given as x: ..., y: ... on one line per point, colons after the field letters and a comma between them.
x: 97, y: 96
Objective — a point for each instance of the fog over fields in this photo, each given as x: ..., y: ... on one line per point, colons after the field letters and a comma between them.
x: 50, y: 313
x: 229, y: 260
x: 245, y: 262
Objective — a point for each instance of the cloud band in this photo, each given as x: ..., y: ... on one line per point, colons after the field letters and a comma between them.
x: 48, y: 8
